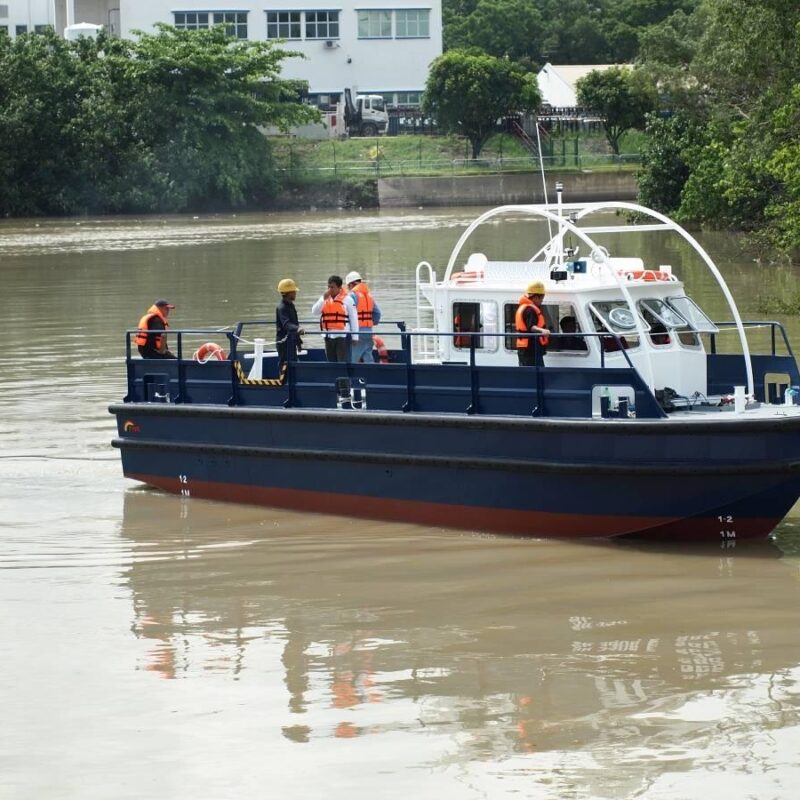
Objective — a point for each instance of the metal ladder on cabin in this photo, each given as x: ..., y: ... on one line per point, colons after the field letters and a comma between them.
x: 425, y: 347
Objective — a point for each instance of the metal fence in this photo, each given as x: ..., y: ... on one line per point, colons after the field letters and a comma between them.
x: 382, y: 167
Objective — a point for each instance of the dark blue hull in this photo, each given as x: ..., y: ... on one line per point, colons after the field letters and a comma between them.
x: 676, y: 479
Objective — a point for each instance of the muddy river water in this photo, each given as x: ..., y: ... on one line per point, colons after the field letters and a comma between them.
x: 158, y: 645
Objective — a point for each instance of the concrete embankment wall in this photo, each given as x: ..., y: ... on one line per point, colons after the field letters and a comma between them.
x: 494, y: 190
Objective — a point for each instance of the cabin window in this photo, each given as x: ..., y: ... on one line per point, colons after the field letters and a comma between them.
x: 565, y: 321
x: 664, y: 321
x: 473, y: 318
x: 690, y: 311
x: 615, y: 316
x: 551, y: 317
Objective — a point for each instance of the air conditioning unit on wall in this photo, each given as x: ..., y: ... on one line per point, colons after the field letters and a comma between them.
x: 329, y: 43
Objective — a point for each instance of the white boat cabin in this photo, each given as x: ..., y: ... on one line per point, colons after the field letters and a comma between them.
x: 606, y: 310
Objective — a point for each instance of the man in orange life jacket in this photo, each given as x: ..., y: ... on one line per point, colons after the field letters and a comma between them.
x: 369, y: 315
x: 338, y: 320
x: 530, y: 319
x: 154, y: 345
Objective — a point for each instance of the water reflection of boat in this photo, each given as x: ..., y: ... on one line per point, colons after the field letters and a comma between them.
x: 627, y: 430
x: 507, y: 644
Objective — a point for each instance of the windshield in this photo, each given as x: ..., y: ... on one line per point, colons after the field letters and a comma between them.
x: 378, y: 104
x: 691, y: 311
x: 654, y: 310
x: 616, y: 316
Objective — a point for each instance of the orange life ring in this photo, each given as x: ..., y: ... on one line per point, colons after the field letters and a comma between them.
x: 467, y: 277
x: 647, y: 275
x: 209, y: 352
x: 383, y: 353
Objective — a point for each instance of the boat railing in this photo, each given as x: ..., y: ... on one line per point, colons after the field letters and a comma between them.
x: 310, y: 381
x: 774, y: 327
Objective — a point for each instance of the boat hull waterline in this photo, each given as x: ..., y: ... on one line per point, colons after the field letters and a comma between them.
x: 675, y: 480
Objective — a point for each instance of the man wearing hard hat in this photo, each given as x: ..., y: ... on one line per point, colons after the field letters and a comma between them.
x: 369, y: 315
x: 286, y: 323
x: 530, y: 319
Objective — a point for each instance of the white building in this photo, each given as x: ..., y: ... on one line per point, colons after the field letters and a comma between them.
x: 557, y: 83
x: 374, y: 46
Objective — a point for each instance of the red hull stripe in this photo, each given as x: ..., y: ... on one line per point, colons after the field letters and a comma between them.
x: 475, y: 518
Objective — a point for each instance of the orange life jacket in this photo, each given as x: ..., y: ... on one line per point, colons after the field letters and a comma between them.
x: 380, y: 346
x: 334, y: 314
x: 459, y: 341
x: 519, y: 323
x: 144, y: 335
x: 364, y: 304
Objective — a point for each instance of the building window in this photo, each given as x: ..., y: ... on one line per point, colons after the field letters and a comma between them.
x: 375, y: 24
x: 235, y: 22
x: 283, y: 25
x: 322, y: 24
x: 406, y: 99
x: 20, y: 29
x: 191, y: 20
x: 42, y: 28
x: 413, y: 23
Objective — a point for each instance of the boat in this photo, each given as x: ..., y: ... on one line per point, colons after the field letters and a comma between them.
x: 648, y: 419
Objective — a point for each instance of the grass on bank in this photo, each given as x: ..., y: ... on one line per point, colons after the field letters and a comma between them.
x: 305, y: 160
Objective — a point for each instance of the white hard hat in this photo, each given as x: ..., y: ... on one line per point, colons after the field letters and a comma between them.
x: 352, y: 277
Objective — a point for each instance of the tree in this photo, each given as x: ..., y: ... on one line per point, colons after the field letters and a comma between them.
x: 169, y: 122
x: 734, y: 73
x: 505, y: 28
x: 468, y: 91
x: 620, y: 97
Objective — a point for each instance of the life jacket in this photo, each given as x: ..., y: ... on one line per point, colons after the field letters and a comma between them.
x: 364, y: 304
x: 519, y: 323
x: 380, y: 346
x: 145, y: 336
x: 459, y: 341
x: 334, y: 314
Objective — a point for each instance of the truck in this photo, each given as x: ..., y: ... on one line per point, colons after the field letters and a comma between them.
x: 366, y: 115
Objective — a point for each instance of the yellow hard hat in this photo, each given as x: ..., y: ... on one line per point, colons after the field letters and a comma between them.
x: 287, y: 285
x: 537, y: 287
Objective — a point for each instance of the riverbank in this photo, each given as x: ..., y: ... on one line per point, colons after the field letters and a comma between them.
x: 458, y: 190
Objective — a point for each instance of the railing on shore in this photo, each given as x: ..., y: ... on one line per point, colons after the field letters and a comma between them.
x: 383, y: 167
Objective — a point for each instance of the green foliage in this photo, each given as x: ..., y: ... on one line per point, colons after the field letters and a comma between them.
x: 664, y: 168
x: 504, y: 28
x: 169, y: 122
x: 559, y: 31
x: 621, y: 97
x: 733, y: 68
x: 468, y: 91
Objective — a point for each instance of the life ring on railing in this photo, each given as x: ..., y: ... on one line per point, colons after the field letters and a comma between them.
x: 467, y: 277
x: 209, y: 352
x: 646, y: 275
x: 380, y: 346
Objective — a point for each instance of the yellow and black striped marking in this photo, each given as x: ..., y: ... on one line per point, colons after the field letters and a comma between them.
x: 245, y: 381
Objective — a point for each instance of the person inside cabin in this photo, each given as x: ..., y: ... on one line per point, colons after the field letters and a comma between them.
x: 151, y: 338
x: 658, y: 331
x: 287, y: 326
x: 369, y: 315
x: 610, y: 344
x: 569, y: 325
x: 530, y: 319
x: 338, y: 320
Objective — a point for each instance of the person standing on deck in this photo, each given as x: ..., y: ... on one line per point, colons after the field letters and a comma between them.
x: 154, y: 345
x: 530, y: 319
x: 286, y: 323
x: 369, y: 315
x: 338, y: 320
